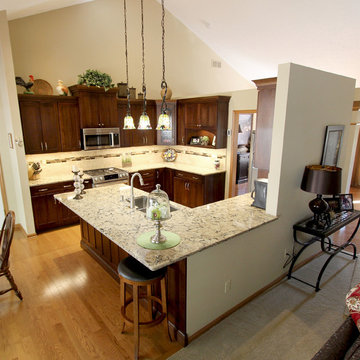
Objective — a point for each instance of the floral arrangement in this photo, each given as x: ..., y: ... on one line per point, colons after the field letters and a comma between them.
x: 96, y: 78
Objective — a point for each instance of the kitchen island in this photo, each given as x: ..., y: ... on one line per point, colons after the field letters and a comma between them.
x: 105, y: 214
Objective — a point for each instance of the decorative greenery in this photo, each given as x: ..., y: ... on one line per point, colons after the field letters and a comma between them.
x: 96, y: 78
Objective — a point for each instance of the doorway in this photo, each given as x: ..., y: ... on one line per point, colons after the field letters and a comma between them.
x: 241, y: 151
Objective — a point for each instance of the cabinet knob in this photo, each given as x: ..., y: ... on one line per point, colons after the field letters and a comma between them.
x: 43, y: 190
x: 42, y: 146
x: 183, y: 140
x: 45, y: 145
x: 79, y: 144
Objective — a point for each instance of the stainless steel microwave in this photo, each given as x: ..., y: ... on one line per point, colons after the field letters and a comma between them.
x: 100, y: 138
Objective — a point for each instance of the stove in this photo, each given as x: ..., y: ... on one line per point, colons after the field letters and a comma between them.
x: 108, y: 176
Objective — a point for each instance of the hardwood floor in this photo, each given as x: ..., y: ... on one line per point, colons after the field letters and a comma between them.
x: 70, y: 308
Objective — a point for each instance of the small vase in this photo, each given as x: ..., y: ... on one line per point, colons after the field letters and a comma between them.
x: 168, y: 93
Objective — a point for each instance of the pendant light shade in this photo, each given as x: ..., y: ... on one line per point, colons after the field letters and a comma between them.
x: 144, y: 122
x: 128, y: 122
x: 164, y: 122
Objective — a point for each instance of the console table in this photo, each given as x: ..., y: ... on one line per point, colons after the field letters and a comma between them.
x: 341, y: 219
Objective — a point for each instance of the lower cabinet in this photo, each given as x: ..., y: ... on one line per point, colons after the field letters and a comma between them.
x: 182, y: 187
x: 48, y: 213
x: 195, y: 190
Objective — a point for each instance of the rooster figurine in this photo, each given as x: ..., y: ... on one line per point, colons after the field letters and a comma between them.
x: 62, y: 89
x: 27, y: 86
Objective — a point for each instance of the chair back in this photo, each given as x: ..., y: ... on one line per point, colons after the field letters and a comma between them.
x: 6, y: 236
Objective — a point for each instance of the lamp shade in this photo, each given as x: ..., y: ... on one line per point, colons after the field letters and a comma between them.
x: 320, y: 179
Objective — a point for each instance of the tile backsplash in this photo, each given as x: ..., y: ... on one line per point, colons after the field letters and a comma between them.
x: 59, y: 162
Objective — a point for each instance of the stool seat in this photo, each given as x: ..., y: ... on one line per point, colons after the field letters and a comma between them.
x: 133, y: 270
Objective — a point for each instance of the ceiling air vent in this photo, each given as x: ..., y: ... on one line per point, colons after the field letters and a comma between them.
x: 216, y: 64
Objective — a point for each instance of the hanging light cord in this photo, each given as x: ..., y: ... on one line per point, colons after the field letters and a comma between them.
x: 127, y: 65
x: 143, y: 55
x: 163, y: 82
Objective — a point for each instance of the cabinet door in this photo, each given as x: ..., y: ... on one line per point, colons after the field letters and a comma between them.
x: 159, y: 178
x: 125, y: 135
x: 46, y: 212
x: 107, y: 107
x: 89, y: 111
x: 208, y: 115
x: 31, y: 126
x: 192, y: 115
x: 181, y: 191
x: 195, y: 194
x: 168, y: 182
x: 180, y: 124
x: 69, y: 122
x: 50, y: 126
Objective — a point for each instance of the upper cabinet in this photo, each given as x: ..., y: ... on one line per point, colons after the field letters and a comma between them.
x: 137, y: 137
x: 40, y: 124
x: 98, y: 108
x: 49, y: 123
x: 69, y: 123
x: 206, y: 116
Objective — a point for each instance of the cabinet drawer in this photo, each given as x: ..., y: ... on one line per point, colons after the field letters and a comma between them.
x: 147, y: 173
x: 189, y: 176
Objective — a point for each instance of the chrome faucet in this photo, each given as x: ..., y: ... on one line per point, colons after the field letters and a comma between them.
x: 132, y: 199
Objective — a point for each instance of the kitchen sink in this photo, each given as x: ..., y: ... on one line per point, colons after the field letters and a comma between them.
x: 140, y: 204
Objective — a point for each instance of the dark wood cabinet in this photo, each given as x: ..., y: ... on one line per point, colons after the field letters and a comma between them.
x: 207, y: 116
x: 98, y: 108
x: 40, y: 124
x: 149, y: 177
x: 49, y: 123
x: 48, y: 213
x: 137, y: 137
x: 69, y: 123
x: 188, y: 189
x: 195, y: 190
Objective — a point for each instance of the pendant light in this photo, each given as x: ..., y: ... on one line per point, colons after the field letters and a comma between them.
x: 144, y: 121
x: 164, y: 122
x: 128, y: 119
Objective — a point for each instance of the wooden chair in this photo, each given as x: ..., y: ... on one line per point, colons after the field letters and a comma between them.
x: 6, y: 236
x: 133, y: 273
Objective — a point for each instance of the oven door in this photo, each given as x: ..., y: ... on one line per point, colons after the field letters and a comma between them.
x: 102, y: 138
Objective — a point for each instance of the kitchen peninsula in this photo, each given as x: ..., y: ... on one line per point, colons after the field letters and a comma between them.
x: 104, y: 214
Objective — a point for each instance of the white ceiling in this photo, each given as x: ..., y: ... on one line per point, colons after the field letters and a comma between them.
x: 254, y: 36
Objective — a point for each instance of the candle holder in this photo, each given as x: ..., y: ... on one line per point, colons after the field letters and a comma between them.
x: 82, y: 186
x: 77, y: 184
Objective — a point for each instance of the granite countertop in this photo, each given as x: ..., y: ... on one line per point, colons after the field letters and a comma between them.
x: 198, y: 228
x: 43, y: 180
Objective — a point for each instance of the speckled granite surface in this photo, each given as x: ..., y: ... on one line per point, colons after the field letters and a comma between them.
x: 198, y: 228
x: 67, y: 176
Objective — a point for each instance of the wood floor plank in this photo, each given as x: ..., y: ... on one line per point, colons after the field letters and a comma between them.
x: 70, y: 308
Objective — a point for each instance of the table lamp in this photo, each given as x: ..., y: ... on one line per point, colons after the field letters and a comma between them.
x: 321, y: 180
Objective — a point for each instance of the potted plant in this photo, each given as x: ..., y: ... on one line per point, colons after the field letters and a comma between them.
x: 96, y: 78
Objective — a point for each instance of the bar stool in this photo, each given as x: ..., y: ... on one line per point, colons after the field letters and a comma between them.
x: 134, y: 273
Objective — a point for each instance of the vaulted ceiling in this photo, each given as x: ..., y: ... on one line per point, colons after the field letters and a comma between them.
x: 254, y: 36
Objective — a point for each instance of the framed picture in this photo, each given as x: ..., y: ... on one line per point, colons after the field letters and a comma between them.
x: 346, y: 202
x: 195, y: 140
x: 332, y: 145
x: 334, y: 203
